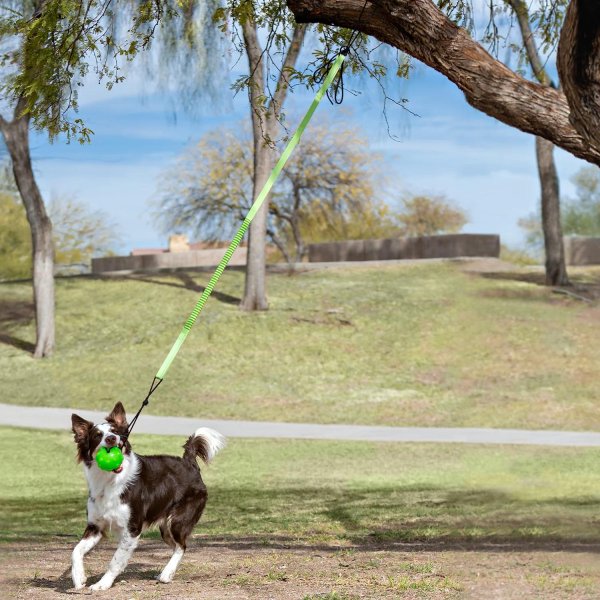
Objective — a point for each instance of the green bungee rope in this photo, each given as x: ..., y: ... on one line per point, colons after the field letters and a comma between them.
x: 162, y: 371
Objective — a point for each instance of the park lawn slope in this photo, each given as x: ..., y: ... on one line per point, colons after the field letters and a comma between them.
x: 420, y: 345
x: 340, y: 493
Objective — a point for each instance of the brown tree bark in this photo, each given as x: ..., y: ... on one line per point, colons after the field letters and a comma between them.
x: 556, y: 271
x: 420, y: 29
x: 16, y: 137
x: 264, y: 131
x: 556, y: 268
x: 579, y: 67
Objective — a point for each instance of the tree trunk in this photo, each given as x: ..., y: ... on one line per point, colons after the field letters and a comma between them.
x: 16, y: 137
x: 556, y: 272
x: 255, y: 292
x: 264, y: 132
x: 420, y: 29
x: 579, y: 67
x: 255, y: 289
x: 556, y: 269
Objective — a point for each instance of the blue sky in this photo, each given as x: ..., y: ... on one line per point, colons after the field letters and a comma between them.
x: 450, y: 148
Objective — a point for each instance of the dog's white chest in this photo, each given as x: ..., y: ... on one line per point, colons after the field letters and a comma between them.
x: 105, y: 507
x: 108, y: 511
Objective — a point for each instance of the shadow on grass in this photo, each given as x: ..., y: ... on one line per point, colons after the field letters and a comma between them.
x: 15, y: 313
x: 393, y: 518
x: 583, y: 287
x: 186, y: 281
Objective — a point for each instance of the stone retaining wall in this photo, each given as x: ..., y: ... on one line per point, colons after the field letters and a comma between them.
x: 433, y: 246
x: 167, y: 260
x: 580, y: 250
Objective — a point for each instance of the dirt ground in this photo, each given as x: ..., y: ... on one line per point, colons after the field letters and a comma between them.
x: 279, y: 569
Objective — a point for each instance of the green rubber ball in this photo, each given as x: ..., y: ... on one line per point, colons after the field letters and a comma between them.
x: 109, y: 459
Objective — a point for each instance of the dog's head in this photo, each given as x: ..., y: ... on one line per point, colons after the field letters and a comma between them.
x: 90, y: 438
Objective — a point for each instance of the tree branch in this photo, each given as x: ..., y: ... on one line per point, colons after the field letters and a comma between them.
x: 257, y: 78
x: 289, y: 63
x: 420, y: 29
x: 522, y: 13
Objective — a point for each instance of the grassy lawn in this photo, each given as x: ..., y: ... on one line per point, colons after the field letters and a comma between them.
x: 396, y: 345
x: 342, y: 493
x: 311, y: 520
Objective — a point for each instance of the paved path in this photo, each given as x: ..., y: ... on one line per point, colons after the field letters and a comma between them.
x: 60, y: 418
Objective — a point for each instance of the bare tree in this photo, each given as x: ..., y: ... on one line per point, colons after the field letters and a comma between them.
x: 325, y: 192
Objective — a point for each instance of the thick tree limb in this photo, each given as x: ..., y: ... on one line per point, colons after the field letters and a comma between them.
x: 579, y: 67
x: 420, y: 29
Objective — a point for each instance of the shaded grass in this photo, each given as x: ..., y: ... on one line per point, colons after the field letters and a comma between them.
x: 396, y: 345
x: 312, y: 492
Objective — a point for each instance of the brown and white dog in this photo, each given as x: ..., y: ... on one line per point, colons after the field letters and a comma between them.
x: 144, y: 490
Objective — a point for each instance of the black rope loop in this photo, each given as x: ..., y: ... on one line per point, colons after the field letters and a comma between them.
x: 155, y: 383
x: 335, y: 93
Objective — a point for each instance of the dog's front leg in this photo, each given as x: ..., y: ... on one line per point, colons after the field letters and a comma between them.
x: 91, y: 536
x: 127, y: 544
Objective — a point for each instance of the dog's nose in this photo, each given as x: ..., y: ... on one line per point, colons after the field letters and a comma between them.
x: 111, y: 440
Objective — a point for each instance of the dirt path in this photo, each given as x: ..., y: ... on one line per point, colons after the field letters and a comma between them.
x: 249, y: 569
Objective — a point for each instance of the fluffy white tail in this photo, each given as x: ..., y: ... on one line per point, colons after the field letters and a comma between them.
x: 205, y: 443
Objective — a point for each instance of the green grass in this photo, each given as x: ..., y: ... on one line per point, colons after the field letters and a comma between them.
x: 307, y: 492
x: 395, y: 345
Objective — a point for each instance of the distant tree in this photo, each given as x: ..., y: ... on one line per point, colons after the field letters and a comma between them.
x: 79, y: 233
x: 15, y: 238
x: 532, y: 228
x: 428, y: 215
x: 581, y: 215
x: 209, y: 189
x: 371, y: 219
x: 325, y: 192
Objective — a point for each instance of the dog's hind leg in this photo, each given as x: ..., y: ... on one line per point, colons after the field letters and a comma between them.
x: 180, y: 524
x: 169, y: 571
x: 91, y: 536
x: 165, y: 532
x: 127, y: 544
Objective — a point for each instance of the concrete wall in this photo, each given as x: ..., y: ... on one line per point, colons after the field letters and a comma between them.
x: 434, y: 246
x: 580, y: 250
x: 168, y: 260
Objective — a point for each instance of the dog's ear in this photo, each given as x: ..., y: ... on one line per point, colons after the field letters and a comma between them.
x: 80, y: 427
x: 117, y: 416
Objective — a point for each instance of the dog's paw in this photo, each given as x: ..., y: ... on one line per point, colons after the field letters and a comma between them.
x: 78, y: 577
x: 104, y: 584
x: 165, y: 577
